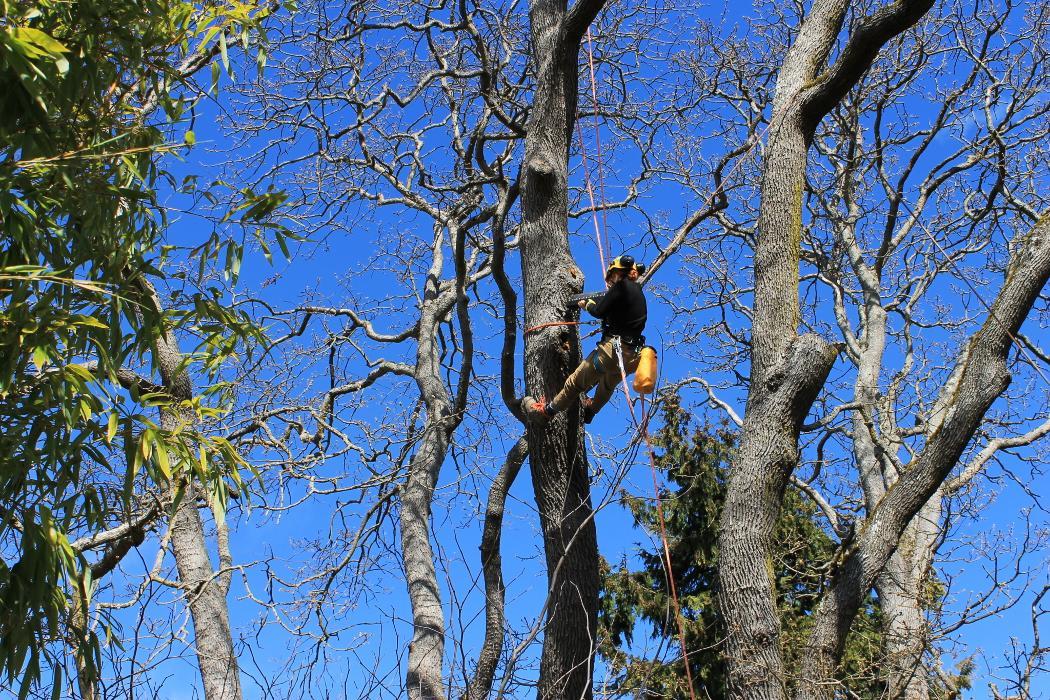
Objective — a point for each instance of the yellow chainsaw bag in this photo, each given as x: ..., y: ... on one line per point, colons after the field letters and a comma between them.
x: 645, y: 375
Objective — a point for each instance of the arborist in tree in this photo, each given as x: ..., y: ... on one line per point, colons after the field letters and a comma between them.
x: 623, y: 312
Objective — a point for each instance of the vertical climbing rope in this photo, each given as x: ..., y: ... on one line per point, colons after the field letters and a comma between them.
x: 598, y: 146
x: 642, y: 427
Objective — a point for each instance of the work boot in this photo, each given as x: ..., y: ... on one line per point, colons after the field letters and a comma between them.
x: 588, y: 409
x: 537, y: 411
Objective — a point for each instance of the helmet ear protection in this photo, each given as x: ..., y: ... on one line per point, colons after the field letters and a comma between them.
x: 625, y: 263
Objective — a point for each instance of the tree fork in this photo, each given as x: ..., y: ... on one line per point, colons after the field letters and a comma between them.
x: 807, y: 89
x: 980, y: 377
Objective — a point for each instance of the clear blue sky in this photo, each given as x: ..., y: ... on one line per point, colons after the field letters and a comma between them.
x: 321, y: 269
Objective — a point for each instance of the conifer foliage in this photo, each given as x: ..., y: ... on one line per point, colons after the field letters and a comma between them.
x: 695, y: 460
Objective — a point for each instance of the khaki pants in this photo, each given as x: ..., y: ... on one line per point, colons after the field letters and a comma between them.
x: 602, y: 368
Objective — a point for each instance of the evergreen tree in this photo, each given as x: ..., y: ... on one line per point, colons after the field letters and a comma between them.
x: 695, y: 460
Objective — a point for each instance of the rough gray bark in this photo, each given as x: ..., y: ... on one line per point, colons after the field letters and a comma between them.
x: 204, y: 587
x: 492, y: 564
x: 904, y: 628
x: 980, y: 376
x: 787, y: 370
x: 427, y: 650
x: 207, y: 599
x: 556, y: 453
x: 767, y: 456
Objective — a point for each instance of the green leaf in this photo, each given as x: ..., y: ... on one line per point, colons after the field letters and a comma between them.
x: 224, y: 53
x: 163, y: 462
x: 38, y: 38
x: 111, y: 430
x: 40, y: 357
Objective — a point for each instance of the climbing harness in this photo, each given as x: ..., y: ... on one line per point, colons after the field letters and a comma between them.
x: 643, y: 427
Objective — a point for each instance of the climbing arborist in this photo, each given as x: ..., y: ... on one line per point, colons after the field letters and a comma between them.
x: 622, y: 311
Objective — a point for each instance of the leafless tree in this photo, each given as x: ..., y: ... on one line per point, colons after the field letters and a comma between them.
x: 416, y: 114
x: 953, y: 214
x: 879, y: 223
x: 434, y: 140
x: 410, y: 109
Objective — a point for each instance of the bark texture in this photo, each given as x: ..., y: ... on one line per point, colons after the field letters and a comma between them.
x: 787, y: 370
x: 904, y: 628
x: 205, y: 589
x: 443, y: 414
x: 980, y: 376
x: 556, y: 453
x: 207, y: 600
x: 768, y: 454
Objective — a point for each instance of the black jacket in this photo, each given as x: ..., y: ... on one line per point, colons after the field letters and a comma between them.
x: 622, y: 310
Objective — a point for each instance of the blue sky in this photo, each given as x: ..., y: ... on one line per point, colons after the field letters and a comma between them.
x: 379, y: 630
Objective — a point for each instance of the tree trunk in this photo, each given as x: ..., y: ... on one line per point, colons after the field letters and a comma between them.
x: 426, y: 652
x: 205, y: 591
x: 207, y: 601
x: 767, y: 456
x: 787, y: 370
x: 427, y: 649
x: 980, y: 377
x: 87, y: 674
x: 904, y: 629
x: 556, y: 452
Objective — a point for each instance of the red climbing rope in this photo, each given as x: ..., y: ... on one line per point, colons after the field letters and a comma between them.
x: 590, y: 194
x: 642, y: 427
x: 552, y: 323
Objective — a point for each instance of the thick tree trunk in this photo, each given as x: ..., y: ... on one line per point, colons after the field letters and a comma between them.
x: 768, y: 454
x: 556, y: 452
x: 787, y: 371
x: 979, y: 378
x: 904, y: 629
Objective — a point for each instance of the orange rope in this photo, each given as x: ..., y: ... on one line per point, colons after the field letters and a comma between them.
x: 644, y: 426
x: 554, y: 323
x: 598, y: 146
x: 590, y: 194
